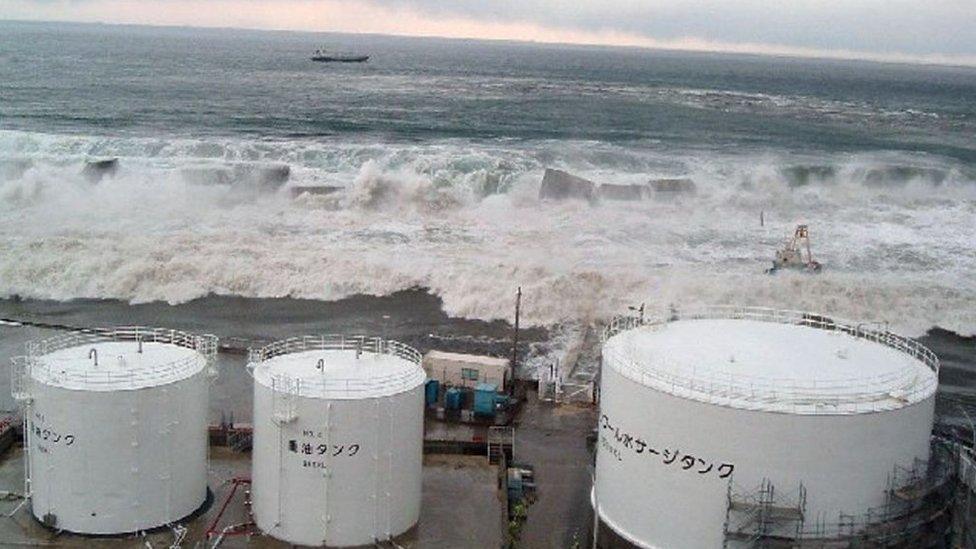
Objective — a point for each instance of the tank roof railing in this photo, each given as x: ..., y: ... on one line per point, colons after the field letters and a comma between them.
x: 205, y: 345
x: 827, y: 396
x: 312, y: 386
x: 335, y: 342
x: 859, y: 330
x: 316, y: 385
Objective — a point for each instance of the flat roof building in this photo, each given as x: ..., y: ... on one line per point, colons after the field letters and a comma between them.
x: 463, y: 370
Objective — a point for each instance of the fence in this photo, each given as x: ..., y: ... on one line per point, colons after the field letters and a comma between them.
x: 320, y: 385
x: 122, y: 376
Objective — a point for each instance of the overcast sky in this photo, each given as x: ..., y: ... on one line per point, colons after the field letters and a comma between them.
x: 919, y: 30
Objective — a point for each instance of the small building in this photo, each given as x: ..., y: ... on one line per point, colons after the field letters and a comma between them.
x: 462, y: 370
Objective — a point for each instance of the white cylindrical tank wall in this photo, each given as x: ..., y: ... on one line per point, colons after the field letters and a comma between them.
x: 338, y: 440
x: 714, y: 405
x: 116, y: 427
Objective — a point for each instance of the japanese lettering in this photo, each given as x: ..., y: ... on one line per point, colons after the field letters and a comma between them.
x: 313, y: 445
x: 42, y: 433
x: 317, y: 450
x: 615, y: 441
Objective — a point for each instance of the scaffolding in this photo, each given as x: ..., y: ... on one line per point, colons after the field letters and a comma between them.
x: 964, y: 515
x: 916, y: 513
x: 762, y: 517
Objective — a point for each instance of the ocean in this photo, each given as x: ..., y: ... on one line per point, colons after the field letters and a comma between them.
x: 439, y: 147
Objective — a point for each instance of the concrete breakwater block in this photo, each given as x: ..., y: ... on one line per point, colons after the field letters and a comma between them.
x: 673, y: 187
x: 314, y: 190
x: 624, y: 192
x: 560, y: 185
x: 95, y: 170
x: 262, y: 178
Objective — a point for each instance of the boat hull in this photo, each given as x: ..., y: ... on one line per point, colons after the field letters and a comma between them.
x: 334, y: 59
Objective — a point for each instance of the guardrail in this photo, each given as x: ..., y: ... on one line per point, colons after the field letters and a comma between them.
x: 846, y: 395
x: 318, y: 386
x: 33, y: 365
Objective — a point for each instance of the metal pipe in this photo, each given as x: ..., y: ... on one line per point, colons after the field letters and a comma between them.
x: 93, y: 354
x: 972, y: 427
x: 225, y: 531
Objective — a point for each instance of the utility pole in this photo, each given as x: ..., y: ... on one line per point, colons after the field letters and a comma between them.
x: 518, y: 305
x: 596, y: 508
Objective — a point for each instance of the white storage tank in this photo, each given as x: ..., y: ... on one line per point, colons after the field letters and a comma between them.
x: 116, y: 427
x: 723, y: 426
x: 338, y: 439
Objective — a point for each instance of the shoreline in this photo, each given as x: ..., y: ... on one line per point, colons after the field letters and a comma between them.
x: 415, y: 317
x: 408, y: 314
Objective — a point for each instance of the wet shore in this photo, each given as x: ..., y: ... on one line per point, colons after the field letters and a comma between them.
x: 414, y: 317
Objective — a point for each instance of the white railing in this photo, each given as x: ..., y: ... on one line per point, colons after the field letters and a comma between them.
x: 117, y: 377
x: 312, y: 385
x: 853, y: 394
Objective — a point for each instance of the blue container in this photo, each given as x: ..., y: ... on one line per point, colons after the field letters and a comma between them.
x: 485, y: 396
x: 515, y: 487
x: 454, y: 398
x: 433, y: 389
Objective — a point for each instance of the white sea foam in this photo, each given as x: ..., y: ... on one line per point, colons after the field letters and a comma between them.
x: 463, y: 219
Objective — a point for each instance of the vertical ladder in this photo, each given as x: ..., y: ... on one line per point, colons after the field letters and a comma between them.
x: 284, y: 393
x: 20, y: 385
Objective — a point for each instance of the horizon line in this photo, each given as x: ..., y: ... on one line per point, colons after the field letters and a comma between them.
x: 732, y: 49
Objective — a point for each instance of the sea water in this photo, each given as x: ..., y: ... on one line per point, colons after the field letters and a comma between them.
x: 438, y: 148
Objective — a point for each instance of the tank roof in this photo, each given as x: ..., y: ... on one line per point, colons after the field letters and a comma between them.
x: 771, y: 363
x: 119, y: 359
x: 338, y: 367
x: 468, y: 358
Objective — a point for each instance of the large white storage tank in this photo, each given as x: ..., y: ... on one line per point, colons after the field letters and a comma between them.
x: 723, y: 426
x: 338, y: 439
x: 116, y: 427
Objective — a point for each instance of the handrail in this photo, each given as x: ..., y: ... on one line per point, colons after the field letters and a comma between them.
x: 319, y: 384
x: 842, y: 395
x: 132, y: 377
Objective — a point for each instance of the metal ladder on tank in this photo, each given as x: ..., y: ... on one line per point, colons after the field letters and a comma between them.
x: 382, y: 505
x: 21, y: 391
x: 284, y: 394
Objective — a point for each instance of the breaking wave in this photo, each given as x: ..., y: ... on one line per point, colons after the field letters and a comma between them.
x: 180, y: 219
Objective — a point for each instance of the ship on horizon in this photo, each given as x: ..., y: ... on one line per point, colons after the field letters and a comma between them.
x: 322, y: 55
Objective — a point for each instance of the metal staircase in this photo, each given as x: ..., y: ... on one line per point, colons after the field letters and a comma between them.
x: 498, y: 438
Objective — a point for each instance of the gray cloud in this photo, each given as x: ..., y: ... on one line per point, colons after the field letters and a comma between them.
x: 881, y: 26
